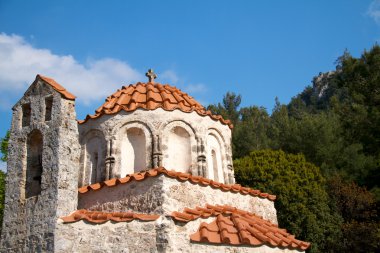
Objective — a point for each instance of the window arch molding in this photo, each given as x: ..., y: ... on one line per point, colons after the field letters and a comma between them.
x: 167, y: 126
x: 138, y: 120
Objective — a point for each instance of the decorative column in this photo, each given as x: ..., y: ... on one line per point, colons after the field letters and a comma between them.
x: 201, y: 159
x: 230, y: 168
x: 110, y: 160
x: 157, y: 151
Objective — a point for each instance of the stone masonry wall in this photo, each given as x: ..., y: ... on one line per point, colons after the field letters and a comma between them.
x: 178, y: 195
x: 163, y: 195
x: 162, y: 235
x: 143, y: 197
x: 134, y: 236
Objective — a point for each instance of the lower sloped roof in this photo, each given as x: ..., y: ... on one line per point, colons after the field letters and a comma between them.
x: 142, y: 175
x: 101, y: 217
x: 237, y: 227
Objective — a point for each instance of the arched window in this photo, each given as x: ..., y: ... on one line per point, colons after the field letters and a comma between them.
x: 48, y: 108
x: 26, y: 114
x: 133, y: 157
x: 214, y: 159
x: 94, y: 159
x: 34, y: 164
x: 215, y: 165
x: 94, y: 167
x: 179, y: 150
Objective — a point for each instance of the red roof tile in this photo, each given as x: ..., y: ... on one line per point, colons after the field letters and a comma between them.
x: 179, y: 176
x: 101, y: 217
x: 237, y: 227
x: 150, y: 96
x: 56, y: 86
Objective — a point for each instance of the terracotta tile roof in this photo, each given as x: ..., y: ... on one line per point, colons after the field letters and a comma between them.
x: 179, y: 176
x: 101, y: 217
x: 56, y: 86
x: 237, y: 227
x: 150, y: 96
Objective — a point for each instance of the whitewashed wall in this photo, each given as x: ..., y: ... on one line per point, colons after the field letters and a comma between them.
x: 176, y: 140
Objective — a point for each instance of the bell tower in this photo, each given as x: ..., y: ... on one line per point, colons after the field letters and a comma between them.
x: 43, y: 158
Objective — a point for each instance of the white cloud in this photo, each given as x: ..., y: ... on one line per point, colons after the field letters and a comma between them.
x: 195, y: 88
x: 374, y: 11
x: 169, y: 76
x: 20, y: 62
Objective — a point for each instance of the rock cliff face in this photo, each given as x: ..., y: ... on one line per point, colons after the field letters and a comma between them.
x: 321, y: 83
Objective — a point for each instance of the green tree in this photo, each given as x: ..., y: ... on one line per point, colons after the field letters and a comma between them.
x: 357, y: 206
x: 4, y: 147
x: 302, y: 201
x: 229, y: 108
x: 351, y: 97
x: 251, y: 133
x: 279, y: 126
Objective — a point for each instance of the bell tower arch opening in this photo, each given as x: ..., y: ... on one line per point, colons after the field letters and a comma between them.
x: 34, y: 166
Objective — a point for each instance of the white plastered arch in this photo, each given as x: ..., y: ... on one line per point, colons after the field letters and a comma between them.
x: 134, y: 140
x: 179, y: 146
x: 216, y: 155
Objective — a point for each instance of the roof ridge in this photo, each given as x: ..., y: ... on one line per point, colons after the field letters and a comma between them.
x: 56, y: 86
x: 189, y: 214
x: 142, y: 175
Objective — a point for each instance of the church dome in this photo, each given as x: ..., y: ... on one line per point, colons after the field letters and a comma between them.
x: 162, y: 127
x: 150, y: 96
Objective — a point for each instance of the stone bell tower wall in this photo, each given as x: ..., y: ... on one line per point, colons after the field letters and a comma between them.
x: 42, y: 168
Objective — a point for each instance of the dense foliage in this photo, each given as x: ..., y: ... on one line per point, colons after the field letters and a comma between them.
x: 335, y: 124
x: 351, y: 97
x: 357, y: 207
x: 300, y: 191
x: 4, y: 147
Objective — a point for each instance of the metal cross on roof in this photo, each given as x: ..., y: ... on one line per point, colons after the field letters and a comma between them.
x: 151, y: 75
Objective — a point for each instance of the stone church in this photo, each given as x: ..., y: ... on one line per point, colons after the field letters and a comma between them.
x: 150, y: 171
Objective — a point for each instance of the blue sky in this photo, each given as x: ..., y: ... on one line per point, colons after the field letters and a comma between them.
x: 259, y: 49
